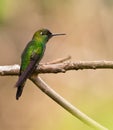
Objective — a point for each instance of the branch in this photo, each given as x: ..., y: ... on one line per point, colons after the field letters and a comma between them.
x: 65, y: 104
x: 59, y: 67
x: 66, y: 66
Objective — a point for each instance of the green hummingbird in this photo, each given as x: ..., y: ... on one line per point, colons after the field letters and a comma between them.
x: 31, y: 57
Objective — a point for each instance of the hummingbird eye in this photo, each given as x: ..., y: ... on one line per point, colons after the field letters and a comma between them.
x: 46, y: 33
x: 41, y: 33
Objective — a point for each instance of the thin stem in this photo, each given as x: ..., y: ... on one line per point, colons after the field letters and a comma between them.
x: 60, y: 60
x: 65, y: 104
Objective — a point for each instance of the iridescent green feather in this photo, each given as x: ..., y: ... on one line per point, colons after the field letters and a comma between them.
x: 33, y: 47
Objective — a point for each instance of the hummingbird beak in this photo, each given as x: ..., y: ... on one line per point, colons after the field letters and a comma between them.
x: 58, y: 34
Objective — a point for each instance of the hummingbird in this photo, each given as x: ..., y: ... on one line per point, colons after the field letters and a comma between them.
x: 31, y: 57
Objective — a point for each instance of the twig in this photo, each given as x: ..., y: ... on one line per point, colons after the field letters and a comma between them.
x: 60, y: 60
x: 65, y: 104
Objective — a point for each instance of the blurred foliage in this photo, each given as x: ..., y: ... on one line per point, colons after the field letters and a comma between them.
x: 108, y: 2
x: 2, y: 10
x: 89, y: 28
x: 7, y: 9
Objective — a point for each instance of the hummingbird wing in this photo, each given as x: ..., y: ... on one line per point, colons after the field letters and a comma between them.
x: 35, y: 58
x: 25, y: 74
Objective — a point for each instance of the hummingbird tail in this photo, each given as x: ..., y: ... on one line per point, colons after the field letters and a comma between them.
x: 19, y: 91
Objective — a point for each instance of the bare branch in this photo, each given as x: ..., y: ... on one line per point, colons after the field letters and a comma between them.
x: 9, y: 70
x: 65, y: 104
x: 66, y: 66
x: 60, y: 67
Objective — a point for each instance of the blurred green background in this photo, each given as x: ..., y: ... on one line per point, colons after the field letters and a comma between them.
x: 89, y: 28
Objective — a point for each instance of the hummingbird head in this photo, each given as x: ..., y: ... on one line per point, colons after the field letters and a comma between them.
x: 44, y: 34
